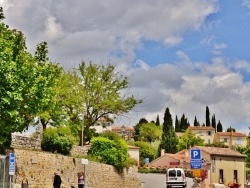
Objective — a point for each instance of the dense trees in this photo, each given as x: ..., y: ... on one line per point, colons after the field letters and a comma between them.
x: 149, y: 132
x: 207, y: 117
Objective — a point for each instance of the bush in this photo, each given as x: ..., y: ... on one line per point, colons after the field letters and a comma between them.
x: 57, y: 140
x: 112, y: 152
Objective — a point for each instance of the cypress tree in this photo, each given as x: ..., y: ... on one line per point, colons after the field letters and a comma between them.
x: 184, y: 124
x: 157, y: 121
x: 219, y: 127
x: 177, y: 124
x: 196, y: 122
x: 214, y: 122
x: 169, y: 139
x: 207, y: 117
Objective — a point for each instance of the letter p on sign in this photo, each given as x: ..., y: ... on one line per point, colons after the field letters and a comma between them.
x: 195, y: 153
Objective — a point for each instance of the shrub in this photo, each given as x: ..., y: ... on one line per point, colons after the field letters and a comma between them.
x: 112, y: 152
x: 57, y: 140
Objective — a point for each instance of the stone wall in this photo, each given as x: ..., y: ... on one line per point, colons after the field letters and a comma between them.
x: 38, y: 168
x: 19, y: 141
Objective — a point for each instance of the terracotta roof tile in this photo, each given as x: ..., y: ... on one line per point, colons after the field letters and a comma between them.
x: 221, y: 151
x: 200, y: 128
x: 235, y: 134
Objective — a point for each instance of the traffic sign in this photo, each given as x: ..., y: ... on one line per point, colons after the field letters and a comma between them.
x: 195, y: 153
x: 12, y: 160
x: 195, y: 158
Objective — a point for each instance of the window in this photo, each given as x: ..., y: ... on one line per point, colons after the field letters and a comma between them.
x: 225, y: 139
x: 221, y: 179
x: 209, y: 141
x: 200, y: 132
x: 235, y: 176
x: 209, y: 133
x: 239, y: 141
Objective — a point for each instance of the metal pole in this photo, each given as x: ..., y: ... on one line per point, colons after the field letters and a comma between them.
x: 82, y: 129
x: 84, y: 176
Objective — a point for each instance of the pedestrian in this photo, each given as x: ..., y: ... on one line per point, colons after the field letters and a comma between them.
x: 57, y: 180
x: 80, y: 180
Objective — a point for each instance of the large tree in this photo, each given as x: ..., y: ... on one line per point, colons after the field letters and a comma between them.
x: 26, y: 85
x: 103, y: 93
x: 169, y: 139
x: 149, y: 132
x: 196, y: 122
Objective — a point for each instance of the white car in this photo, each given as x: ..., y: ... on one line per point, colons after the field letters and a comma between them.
x: 176, y: 177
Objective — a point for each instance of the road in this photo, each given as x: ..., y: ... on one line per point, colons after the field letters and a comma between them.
x: 157, y: 180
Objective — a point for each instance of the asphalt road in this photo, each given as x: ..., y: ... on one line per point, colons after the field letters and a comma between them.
x: 157, y: 180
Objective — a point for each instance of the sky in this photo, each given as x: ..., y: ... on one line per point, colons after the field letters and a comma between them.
x: 182, y: 55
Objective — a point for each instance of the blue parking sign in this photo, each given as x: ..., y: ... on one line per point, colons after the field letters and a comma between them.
x: 195, y: 153
x: 195, y: 158
x: 12, y: 161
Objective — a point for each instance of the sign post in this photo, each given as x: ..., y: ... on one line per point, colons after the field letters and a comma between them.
x: 195, y: 158
x: 84, y: 162
x: 12, y: 161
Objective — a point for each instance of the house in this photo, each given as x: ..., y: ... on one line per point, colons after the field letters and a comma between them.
x: 126, y: 132
x: 221, y: 165
x: 231, y: 138
x: 205, y: 133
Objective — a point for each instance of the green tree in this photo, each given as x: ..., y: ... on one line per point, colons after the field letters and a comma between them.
x: 102, y: 87
x: 230, y: 129
x: 214, y: 122
x: 196, y: 122
x: 168, y: 135
x: 207, y: 117
x: 146, y: 151
x: 184, y: 124
x: 177, y: 125
x: 26, y: 86
x: 137, y: 128
x: 157, y: 123
x: 189, y: 139
x: 219, y: 127
x: 149, y: 132
x: 247, y: 150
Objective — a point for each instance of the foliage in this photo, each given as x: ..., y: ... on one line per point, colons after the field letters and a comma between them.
x: 196, y: 122
x: 219, y: 127
x: 168, y: 135
x: 26, y: 86
x: 146, y: 151
x: 149, y: 132
x: 230, y: 129
x: 214, y: 122
x: 217, y: 144
x: 102, y: 94
x: 177, y: 125
x: 111, y: 135
x: 189, y: 139
x: 112, y: 152
x: 184, y: 123
x: 157, y: 123
x: 57, y: 140
x: 247, y: 150
x: 137, y: 128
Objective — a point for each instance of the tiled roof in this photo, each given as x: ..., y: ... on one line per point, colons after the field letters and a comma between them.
x: 234, y: 134
x: 120, y: 127
x: 200, y: 128
x: 221, y: 151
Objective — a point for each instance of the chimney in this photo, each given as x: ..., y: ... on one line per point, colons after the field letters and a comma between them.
x: 162, y: 152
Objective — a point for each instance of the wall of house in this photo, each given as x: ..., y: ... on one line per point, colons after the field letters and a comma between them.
x: 38, y: 168
x: 228, y: 164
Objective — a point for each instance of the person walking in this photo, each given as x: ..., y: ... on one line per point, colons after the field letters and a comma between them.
x: 81, y: 180
x: 57, y: 181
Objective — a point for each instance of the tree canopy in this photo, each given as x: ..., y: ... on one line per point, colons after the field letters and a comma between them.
x: 26, y: 85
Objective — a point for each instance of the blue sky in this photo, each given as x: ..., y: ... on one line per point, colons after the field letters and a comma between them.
x: 184, y: 55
